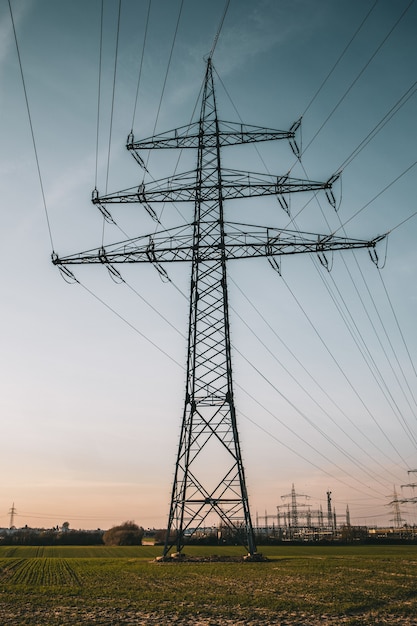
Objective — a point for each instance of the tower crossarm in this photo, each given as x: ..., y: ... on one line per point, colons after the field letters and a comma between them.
x: 241, y: 241
x: 224, y: 134
x: 235, y: 184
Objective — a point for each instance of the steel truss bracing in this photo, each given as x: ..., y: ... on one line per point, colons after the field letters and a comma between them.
x: 209, y: 480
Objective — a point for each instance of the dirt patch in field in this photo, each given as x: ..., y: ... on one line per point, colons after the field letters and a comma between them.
x: 26, y: 615
x: 180, y: 557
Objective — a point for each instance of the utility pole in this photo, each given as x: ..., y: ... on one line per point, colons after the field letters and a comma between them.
x: 329, y: 510
x: 209, y: 478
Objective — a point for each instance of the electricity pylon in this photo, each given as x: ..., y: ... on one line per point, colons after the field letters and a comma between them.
x: 294, y: 514
x: 12, y: 513
x: 209, y: 474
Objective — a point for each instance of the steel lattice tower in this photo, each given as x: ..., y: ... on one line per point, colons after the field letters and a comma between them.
x: 209, y: 474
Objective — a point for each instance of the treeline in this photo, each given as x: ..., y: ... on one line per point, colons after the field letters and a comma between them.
x: 51, y: 537
x: 126, y: 534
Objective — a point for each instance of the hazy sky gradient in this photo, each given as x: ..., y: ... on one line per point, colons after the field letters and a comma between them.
x: 324, y: 363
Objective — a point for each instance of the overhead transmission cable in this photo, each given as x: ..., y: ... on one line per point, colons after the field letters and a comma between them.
x: 356, y: 393
x: 99, y: 91
x: 386, y: 332
x: 162, y: 94
x: 31, y: 128
x: 301, y: 456
x: 391, y: 400
x: 396, y: 179
x: 410, y: 216
x: 321, y: 388
x: 292, y: 221
x: 295, y: 379
x: 216, y: 38
x: 343, y: 470
x: 113, y: 93
x: 170, y: 59
x: 86, y: 288
x: 353, y: 83
x: 394, y: 109
x: 166, y: 76
x: 379, y: 126
x: 342, y: 54
x: 398, y: 324
x: 301, y: 413
x: 368, y: 357
x: 141, y: 63
x: 155, y: 345
x: 383, y: 327
x: 371, y: 135
x: 364, y: 350
x: 123, y: 319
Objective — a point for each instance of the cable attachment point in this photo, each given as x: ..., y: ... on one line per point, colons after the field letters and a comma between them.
x: 150, y: 253
x: 66, y: 274
x: 114, y: 273
x: 293, y: 141
x: 322, y: 257
x: 130, y: 145
x: 95, y: 199
x: 373, y: 253
x: 284, y: 203
x: 106, y: 214
x: 145, y: 203
x: 329, y: 192
x: 274, y: 264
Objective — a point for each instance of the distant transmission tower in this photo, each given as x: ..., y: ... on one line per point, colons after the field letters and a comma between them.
x: 395, y: 504
x: 409, y: 499
x: 294, y: 505
x: 12, y: 513
x: 209, y: 482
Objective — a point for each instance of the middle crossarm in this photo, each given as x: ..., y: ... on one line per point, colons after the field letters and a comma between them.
x: 241, y: 241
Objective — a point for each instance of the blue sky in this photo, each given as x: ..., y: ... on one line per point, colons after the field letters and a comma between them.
x: 91, y: 403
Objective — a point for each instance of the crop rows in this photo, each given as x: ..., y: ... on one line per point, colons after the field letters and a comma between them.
x: 40, y: 572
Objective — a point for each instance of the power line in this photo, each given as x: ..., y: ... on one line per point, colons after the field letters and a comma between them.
x: 141, y: 62
x: 388, y: 116
x: 326, y: 394
x: 72, y: 278
x: 99, y: 89
x: 216, y: 38
x: 309, y: 445
x: 346, y: 377
x: 168, y: 66
x: 363, y: 349
x: 113, y: 95
x: 31, y: 128
x: 379, y: 126
x: 396, y: 179
x: 296, y: 380
x: 308, y: 420
x: 340, y: 57
x: 358, y: 76
x: 397, y: 322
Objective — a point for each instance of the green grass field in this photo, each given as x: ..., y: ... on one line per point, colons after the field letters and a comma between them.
x: 298, y: 585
